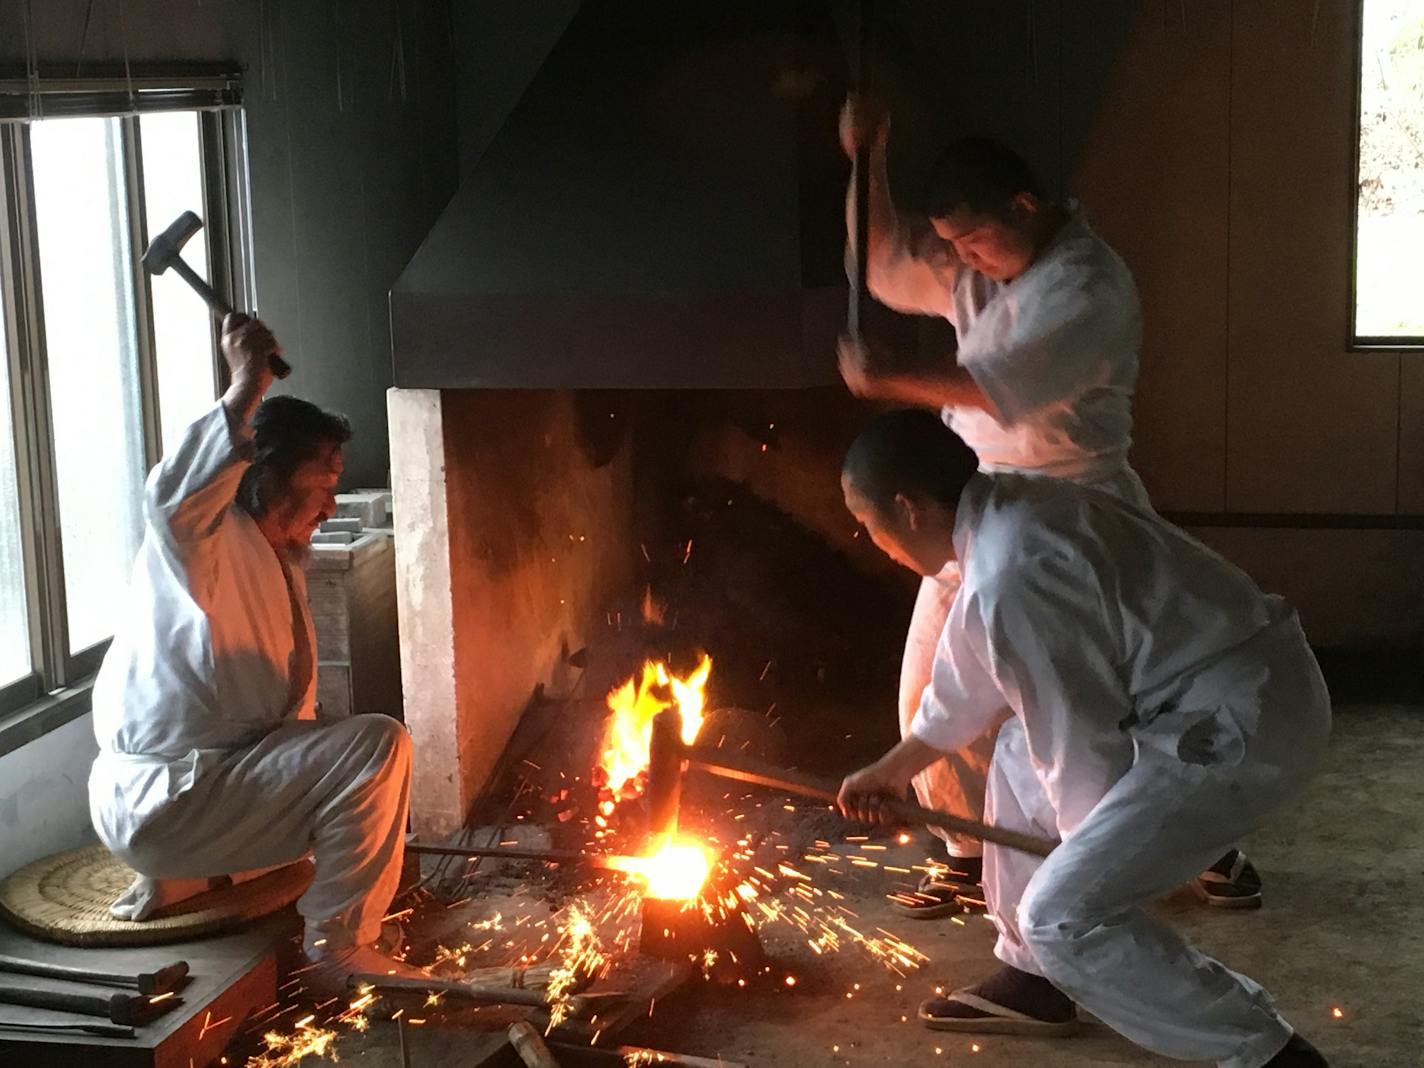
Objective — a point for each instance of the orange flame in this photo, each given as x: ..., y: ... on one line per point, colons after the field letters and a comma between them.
x: 635, y: 703
x: 676, y: 872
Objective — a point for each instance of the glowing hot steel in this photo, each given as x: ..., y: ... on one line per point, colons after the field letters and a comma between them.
x: 634, y: 704
x: 676, y: 872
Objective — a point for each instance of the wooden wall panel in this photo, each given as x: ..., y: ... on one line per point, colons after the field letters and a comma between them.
x: 1149, y: 159
x: 1310, y: 428
x: 1411, y: 433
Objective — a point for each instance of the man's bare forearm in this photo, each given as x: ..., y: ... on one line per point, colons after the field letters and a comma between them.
x: 950, y: 387
x: 242, y: 397
x: 908, y: 758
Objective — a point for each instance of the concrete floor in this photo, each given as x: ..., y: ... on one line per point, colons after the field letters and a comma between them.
x: 1343, y: 927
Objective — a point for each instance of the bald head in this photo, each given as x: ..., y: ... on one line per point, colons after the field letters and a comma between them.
x: 902, y: 479
x: 909, y: 453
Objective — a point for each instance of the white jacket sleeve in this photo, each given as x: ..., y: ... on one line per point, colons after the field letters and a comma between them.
x: 963, y: 699
x: 1056, y: 651
x: 189, y: 492
x: 1047, y: 339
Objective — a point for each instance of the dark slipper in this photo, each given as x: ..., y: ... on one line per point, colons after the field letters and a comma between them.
x: 984, y: 1010
x: 943, y: 893
x: 1231, y: 883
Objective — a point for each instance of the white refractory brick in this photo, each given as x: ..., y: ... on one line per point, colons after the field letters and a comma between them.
x: 349, y: 524
x: 371, y: 506
x: 334, y: 537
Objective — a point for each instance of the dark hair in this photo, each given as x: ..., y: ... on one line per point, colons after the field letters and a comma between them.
x: 289, y: 431
x: 979, y: 174
x: 910, y: 452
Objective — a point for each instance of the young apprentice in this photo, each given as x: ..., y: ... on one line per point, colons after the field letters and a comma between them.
x: 1048, y: 327
x: 209, y: 762
x: 1159, y: 706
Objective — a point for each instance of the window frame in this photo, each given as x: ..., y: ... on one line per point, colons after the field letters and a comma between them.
x: 1355, y: 341
x: 56, y: 690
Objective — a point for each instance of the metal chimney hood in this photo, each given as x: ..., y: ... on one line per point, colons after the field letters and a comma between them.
x: 662, y: 209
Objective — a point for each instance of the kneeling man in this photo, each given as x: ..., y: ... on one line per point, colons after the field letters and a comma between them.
x: 1159, y: 706
x: 210, y: 763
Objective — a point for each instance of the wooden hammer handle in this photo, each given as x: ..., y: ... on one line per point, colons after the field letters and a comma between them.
x: 745, y: 769
x: 530, y: 1046
x: 280, y: 367
x: 128, y: 1009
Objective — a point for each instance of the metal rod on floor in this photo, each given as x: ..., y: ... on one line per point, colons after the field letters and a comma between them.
x: 400, y: 1035
x: 548, y: 856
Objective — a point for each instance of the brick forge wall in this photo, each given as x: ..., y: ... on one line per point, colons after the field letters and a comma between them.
x: 513, y: 531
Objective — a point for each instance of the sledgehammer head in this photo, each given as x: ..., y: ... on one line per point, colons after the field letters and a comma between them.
x: 167, y: 246
x: 665, y: 756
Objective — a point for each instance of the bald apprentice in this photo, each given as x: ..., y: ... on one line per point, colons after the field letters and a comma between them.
x: 1153, y: 707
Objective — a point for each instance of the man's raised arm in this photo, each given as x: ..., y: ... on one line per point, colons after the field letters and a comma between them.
x: 191, y: 489
x: 910, y: 269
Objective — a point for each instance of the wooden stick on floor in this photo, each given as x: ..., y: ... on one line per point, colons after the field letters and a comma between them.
x: 530, y: 1046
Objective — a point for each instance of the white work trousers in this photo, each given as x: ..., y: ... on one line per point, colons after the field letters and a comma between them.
x: 339, y: 792
x: 1077, y: 918
x: 955, y: 783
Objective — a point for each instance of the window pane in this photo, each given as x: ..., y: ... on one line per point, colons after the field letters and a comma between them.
x: 1389, y: 300
x: 14, y: 622
x: 85, y: 260
x: 172, y: 184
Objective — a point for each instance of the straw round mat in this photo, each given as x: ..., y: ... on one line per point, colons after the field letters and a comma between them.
x: 65, y: 898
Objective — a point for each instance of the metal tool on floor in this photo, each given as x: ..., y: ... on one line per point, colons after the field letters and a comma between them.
x: 97, y: 1029
x: 545, y: 856
x: 166, y: 251
x: 670, y: 758
x: 161, y: 981
x: 480, y: 993
x: 131, y: 1010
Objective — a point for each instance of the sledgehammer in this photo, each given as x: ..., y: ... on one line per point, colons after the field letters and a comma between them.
x: 669, y: 759
x: 166, y: 250
x: 167, y: 978
x: 131, y: 1010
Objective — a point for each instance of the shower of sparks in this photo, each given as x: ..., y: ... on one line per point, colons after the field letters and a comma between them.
x: 789, y: 896
x: 285, y: 1050
x: 580, y: 957
x: 639, y: 1057
x: 456, y: 955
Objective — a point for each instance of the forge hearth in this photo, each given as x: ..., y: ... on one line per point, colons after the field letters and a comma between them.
x: 715, y: 932
x: 534, y: 528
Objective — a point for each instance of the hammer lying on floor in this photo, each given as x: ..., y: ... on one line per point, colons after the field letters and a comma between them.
x: 670, y: 758
x: 130, y: 1010
x: 161, y: 981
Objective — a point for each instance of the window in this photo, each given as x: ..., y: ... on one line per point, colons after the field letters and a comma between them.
x: 101, y: 364
x: 1389, y: 210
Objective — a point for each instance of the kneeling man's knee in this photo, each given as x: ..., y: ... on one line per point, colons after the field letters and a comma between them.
x: 1049, y: 922
x: 386, y: 739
